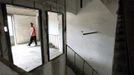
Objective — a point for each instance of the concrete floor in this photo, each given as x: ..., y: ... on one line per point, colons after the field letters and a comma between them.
x: 54, y: 53
x: 29, y: 57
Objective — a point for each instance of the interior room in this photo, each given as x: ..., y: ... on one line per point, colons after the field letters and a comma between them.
x: 23, y: 24
x: 55, y: 34
x: 97, y: 37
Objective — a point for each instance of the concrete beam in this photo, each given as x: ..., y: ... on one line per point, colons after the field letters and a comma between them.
x: 6, y: 1
x: 27, y: 3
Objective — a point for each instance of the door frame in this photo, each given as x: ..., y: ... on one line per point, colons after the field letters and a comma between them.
x: 63, y: 42
x: 10, y: 55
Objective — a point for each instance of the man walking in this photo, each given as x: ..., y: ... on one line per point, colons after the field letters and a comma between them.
x: 33, y: 35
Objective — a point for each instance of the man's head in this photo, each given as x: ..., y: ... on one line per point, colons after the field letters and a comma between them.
x: 31, y: 24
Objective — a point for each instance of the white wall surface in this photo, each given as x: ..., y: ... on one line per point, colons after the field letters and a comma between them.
x: 53, y: 23
x: 22, y: 27
x: 97, y: 48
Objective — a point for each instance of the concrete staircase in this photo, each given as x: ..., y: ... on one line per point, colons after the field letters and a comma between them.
x: 120, y: 66
x: 124, y: 48
x: 69, y: 71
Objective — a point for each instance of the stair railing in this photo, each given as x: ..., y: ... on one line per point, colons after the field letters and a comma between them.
x: 78, y: 64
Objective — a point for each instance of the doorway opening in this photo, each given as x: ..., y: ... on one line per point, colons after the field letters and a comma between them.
x: 55, y: 32
x: 25, y: 37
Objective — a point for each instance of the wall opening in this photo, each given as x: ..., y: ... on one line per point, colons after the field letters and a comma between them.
x: 25, y: 37
x: 55, y: 34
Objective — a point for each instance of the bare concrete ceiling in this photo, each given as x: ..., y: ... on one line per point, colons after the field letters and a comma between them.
x: 21, y: 10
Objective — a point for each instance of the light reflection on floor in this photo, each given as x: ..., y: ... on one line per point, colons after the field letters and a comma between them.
x: 29, y: 57
x: 54, y: 53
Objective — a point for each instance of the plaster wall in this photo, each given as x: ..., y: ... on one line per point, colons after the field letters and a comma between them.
x: 22, y: 28
x: 97, y: 49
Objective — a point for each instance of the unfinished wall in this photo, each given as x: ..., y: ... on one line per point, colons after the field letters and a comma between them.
x: 42, y: 5
x: 97, y: 48
x: 55, y: 67
x: 74, y: 6
x: 111, y: 5
x: 4, y: 48
x: 5, y: 70
x: 22, y: 28
x: 21, y: 19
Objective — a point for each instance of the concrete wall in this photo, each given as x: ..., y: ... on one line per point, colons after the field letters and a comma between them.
x: 20, y: 23
x: 71, y: 6
x: 55, y: 67
x: 50, y: 68
x: 22, y: 27
x: 70, y: 71
x: 111, y: 5
x: 4, y: 47
x: 74, y: 6
x: 5, y: 70
x: 97, y: 48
